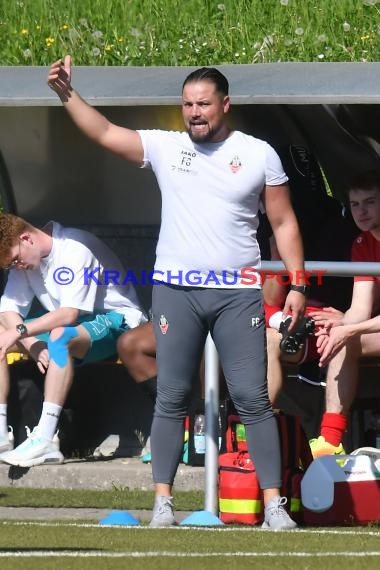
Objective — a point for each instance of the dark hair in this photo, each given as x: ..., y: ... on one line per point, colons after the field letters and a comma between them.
x: 209, y: 74
x: 368, y: 180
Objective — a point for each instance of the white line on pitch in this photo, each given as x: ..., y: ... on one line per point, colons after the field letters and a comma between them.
x: 104, y: 554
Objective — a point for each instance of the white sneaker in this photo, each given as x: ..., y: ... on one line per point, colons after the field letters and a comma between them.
x: 7, y: 441
x: 163, y: 514
x: 35, y: 450
x: 108, y: 447
x: 276, y: 517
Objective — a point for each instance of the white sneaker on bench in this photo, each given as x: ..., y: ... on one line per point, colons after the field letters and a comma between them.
x: 35, y: 450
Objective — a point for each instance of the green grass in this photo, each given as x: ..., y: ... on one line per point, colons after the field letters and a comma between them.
x: 87, y: 546
x: 118, y: 498
x: 200, y: 32
x: 82, y: 545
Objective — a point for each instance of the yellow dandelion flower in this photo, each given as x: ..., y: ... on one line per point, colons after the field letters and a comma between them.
x: 364, y: 38
x: 49, y: 41
x: 24, y: 32
x: 64, y: 27
x: 108, y: 47
x: 120, y: 40
x: 38, y: 27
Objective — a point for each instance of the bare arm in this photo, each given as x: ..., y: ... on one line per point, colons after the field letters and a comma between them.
x: 119, y: 140
x: 61, y: 317
x: 289, y: 243
x: 273, y: 290
x: 362, y: 302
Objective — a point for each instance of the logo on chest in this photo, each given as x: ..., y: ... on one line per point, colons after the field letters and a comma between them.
x: 185, y: 164
x: 235, y: 164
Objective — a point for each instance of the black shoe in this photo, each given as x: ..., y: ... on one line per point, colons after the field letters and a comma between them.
x: 292, y: 341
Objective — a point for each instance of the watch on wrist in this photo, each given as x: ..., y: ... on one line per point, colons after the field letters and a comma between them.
x: 299, y: 288
x: 22, y: 330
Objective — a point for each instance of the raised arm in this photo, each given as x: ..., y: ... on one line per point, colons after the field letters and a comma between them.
x: 119, y: 140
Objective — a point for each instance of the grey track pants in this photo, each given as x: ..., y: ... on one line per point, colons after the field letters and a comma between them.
x: 182, y: 318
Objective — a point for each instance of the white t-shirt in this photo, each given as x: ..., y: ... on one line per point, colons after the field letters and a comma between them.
x: 210, y: 201
x: 73, y: 275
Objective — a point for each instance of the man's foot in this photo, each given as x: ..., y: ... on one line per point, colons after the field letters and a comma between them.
x: 163, y: 514
x: 276, y: 517
x: 35, y: 450
x: 292, y: 341
x: 7, y: 441
x: 319, y: 447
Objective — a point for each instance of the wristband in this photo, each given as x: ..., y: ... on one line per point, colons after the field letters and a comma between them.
x: 299, y: 288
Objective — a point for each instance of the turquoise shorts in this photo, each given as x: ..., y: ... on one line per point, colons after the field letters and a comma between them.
x: 104, y: 330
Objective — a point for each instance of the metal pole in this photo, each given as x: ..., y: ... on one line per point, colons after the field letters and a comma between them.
x: 336, y: 268
x: 211, y: 419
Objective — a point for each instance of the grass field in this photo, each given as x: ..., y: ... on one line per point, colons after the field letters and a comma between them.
x: 84, y: 545
x: 201, y: 32
x: 36, y: 545
x: 117, y: 498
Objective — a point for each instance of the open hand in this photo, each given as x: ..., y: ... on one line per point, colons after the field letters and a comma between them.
x: 59, y: 78
x: 331, y: 341
x: 39, y: 352
x: 326, y: 317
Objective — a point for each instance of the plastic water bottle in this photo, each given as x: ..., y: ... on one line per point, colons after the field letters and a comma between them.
x: 199, y: 434
x: 220, y: 439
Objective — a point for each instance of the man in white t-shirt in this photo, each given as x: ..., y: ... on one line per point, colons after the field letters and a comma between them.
x: 211, y: 180
x: 78, y: 281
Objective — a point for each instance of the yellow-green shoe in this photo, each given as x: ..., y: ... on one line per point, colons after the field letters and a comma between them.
x: 319, y: 446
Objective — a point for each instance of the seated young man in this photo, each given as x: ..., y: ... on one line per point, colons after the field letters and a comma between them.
x: 86, y: 312
x: 342, y: 346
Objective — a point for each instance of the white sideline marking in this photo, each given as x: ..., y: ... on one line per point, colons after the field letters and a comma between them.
x: 102, y: 554
x: 356, y: 531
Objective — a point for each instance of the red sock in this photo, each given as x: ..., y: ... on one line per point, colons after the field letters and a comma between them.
x: 333, y: 427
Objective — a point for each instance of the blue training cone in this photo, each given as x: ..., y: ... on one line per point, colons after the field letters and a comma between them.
x: 120, y: 518
x: 201, y: 518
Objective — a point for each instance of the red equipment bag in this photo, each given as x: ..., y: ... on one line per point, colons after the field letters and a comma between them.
x: 240, y: 497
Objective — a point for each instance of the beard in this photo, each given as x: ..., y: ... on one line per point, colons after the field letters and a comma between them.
x: 201, y: 137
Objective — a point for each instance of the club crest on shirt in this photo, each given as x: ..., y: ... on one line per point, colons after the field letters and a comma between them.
x: 163, y: 324
x: 235, y: 164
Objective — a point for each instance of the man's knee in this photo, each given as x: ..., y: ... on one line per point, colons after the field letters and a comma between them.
x: 173, y: 402
x: 57, y: 333
x: 135, y: 343
x: 126, y: 345
x: 129, y: 345
x: 58, y: 344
